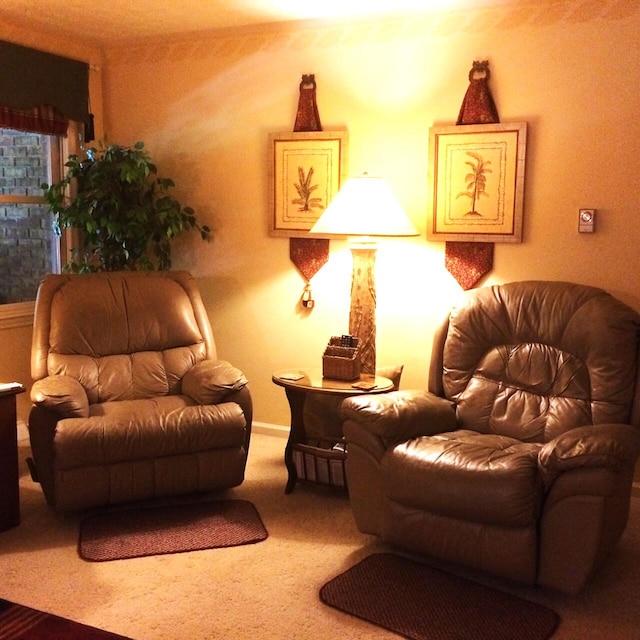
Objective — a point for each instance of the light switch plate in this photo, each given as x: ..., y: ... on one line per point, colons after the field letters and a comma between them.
x: 586, y: 220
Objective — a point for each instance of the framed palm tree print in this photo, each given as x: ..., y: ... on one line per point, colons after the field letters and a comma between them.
x: 306, y: 170
x: 476, y: 181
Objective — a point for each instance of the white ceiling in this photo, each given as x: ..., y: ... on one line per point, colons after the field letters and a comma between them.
x: 105, y: 22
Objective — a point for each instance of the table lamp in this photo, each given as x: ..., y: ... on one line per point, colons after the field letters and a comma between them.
x: 365, y: 207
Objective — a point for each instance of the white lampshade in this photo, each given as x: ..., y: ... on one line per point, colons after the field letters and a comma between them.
x: 365, y: 206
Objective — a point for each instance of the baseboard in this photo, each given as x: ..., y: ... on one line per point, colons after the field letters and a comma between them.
x: 23, y: 431
x: 267, y: 429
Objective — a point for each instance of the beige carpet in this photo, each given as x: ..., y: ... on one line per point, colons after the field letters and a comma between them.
x: 263, y: 591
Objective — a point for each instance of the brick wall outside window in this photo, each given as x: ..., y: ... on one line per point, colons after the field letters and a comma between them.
x: 28, y: 245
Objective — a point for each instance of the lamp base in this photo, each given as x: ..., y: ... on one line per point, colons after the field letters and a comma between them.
x: 362, y: 314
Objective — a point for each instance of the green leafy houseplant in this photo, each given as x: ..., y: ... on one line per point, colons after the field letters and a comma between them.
x: 122, y: 208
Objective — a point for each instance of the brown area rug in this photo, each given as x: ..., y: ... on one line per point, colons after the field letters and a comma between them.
x: 23, y: 623
x: 422, y: 603
x: 116, y: 535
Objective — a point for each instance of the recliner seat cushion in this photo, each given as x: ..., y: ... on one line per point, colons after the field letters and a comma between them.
x: 452, y: 474
x: 146, y: 429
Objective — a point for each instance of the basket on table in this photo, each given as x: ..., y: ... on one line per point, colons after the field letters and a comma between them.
x: 339, y: 361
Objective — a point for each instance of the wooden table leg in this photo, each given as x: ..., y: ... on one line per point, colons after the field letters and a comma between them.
x: 296, y: 404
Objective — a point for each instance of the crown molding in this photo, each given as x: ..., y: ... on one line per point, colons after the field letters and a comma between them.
x: 309, y: 34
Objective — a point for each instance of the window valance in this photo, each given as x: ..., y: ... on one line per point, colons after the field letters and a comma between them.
x: 32, y: 80
x: 44, y: 119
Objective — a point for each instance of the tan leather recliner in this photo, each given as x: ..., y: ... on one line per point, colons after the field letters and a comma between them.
x: 519, y: 459
x: 129, y: 399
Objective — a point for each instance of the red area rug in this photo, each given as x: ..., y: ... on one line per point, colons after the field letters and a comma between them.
x: 422, y: 603
x: 23, y: 623
x: 133, y: 533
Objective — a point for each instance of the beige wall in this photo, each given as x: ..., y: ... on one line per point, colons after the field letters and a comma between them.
x: 15, y: 343
x: 204, y: 106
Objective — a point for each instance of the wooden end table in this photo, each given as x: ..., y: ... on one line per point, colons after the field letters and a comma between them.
x: 9, y: 477
x: 297, y: 384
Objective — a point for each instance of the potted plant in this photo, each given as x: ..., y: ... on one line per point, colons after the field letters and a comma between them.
x: 122, y: 208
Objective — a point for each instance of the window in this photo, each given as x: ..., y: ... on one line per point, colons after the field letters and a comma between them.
x: 29, y: 247
x: 57, y: 90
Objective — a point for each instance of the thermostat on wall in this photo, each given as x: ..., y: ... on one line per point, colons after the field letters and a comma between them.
x: 587, y: 220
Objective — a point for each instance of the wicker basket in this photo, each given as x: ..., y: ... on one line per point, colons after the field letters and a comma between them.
x: 341, y: 363
x: 324, y: 466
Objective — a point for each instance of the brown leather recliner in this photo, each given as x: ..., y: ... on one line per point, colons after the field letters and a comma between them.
x: 130, y: 401
x: 519, y: 459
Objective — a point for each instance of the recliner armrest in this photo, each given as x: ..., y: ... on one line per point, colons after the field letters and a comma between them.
x: 63, y: 395
x: 612, y: 446
x: 400, y: 415
x: 211, y: 381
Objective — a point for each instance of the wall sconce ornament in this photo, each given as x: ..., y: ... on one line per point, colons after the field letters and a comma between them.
x: 467, y: 262
x: 478, y: 106
x: 306, y: 170
x: 476, y: 176
x: 309, y: 255
x: 307, y: 116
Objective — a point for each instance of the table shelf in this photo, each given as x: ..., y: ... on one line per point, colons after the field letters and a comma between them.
x: 321, y: 465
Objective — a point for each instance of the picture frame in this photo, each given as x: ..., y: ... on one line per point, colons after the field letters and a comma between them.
x: 476, y: 181
x: 306, y: 170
